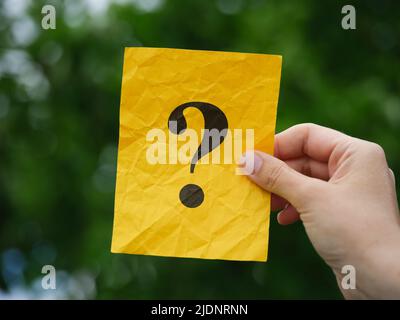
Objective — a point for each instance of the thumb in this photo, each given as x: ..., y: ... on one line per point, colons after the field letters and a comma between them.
x: 277, y: 177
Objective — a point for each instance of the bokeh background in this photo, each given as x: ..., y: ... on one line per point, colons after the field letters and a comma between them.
x: 59, y: 109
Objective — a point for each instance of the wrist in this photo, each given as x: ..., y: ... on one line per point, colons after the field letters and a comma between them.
x: 376, y: 268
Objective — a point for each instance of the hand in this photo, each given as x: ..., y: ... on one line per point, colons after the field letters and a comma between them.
x: 342, y: 190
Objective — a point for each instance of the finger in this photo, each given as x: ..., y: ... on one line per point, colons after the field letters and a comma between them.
x: 277, y: 203
x: 310, y: 167
x: 277, y: 177
x: 393, y: 177
x: 310, y: 140
x: 288, y: 215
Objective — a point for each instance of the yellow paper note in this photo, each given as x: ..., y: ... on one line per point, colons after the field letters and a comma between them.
x: 232, y: 220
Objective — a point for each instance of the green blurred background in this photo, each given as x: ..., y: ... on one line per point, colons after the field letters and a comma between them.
x: 59, y: 108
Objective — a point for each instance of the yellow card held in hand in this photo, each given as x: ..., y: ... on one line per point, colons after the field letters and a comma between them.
x: 186, y: 117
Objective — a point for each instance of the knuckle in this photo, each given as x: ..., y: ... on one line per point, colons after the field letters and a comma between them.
x: 306, y: 125
x: 376, y: 150
x: 310, y: 125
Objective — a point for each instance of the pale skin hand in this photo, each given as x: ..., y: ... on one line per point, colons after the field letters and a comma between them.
x: 342, y: 190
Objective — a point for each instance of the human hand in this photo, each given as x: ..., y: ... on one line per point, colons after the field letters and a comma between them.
x: 342, y: 190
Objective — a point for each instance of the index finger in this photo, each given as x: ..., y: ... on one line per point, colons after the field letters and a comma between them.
x: 309, y: 140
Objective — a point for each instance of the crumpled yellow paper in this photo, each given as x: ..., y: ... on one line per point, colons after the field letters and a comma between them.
x: 232, y: 223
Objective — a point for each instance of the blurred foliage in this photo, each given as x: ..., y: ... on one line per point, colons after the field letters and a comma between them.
x: 59, y: 108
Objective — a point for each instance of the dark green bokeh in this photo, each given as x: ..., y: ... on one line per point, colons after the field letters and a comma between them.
x: 59, y: 108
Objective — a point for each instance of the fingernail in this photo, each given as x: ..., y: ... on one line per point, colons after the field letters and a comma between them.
x: 250, y: 162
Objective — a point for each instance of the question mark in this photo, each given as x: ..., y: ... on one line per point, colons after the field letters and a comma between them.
x: 191, y: 195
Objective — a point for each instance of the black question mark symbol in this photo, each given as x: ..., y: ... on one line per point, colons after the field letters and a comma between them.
x: 191, y: 195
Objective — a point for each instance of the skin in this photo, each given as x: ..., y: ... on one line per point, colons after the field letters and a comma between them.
x: 343, y: 191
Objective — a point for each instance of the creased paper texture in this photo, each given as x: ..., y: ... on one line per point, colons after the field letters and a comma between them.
x: 232, y: 222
